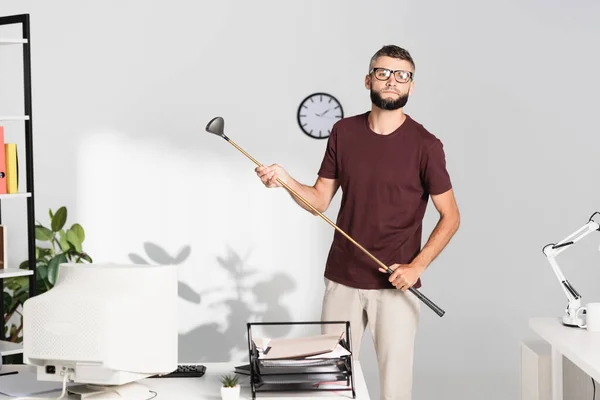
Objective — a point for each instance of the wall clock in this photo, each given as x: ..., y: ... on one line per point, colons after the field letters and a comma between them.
x: 317, y: 113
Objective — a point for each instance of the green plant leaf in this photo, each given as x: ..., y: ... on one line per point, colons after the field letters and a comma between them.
x: 64, y: 244
x: 43, y: 234
x: 24, y: 265
x: 8, y: 301
x: 44, y: 253
x: 50, y: 213
x: 53, y: 267
x: 53, y: 270
x: 41, y: 286
x: 59, y: 220
x: 229, y: 380
x: 78, y: 229
x: 42, y: 272
x: 19, y: 299
x: 86, y: 257
x: 16, y: 283
x: 74, y: 240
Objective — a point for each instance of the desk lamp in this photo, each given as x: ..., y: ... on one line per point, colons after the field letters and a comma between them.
x: 574, y: 314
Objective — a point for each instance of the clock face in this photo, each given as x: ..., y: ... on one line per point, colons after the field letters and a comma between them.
x: 317, y: 113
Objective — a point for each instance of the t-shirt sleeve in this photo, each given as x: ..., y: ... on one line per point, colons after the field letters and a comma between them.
x: 329, y: 168
x: 434, y: 173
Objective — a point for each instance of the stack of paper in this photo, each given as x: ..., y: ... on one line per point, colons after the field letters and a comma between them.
x: 306, y: 363
x: 318, y: 346
x: 318, y: 359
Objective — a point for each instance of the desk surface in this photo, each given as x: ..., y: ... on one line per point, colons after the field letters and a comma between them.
x: 209, y: 387
x: 579, y: 345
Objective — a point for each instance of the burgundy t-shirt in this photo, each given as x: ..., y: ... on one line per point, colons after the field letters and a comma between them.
x: 386, y: 181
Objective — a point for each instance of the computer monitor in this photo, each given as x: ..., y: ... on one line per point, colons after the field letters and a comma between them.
x: 106, y: 325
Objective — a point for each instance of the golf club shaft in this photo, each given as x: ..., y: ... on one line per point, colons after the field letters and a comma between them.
x: 414, y: 291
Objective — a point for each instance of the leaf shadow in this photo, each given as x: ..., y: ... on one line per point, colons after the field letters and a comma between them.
x: 158, y: 255
x: 252, y: 301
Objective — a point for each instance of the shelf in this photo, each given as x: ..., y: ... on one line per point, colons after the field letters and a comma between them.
x: 10, y: 348
x: 22, y: 117
x: 14, y: 272
x: 9, y: 196
x: 7, y: 41
x: 14, y: 118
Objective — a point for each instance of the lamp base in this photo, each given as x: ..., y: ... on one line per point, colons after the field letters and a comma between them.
x: 576, y: 322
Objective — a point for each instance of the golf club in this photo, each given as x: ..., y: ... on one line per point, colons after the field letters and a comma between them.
x: 216, y: 127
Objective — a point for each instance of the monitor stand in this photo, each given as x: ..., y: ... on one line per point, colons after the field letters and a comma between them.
x: 130, y: 391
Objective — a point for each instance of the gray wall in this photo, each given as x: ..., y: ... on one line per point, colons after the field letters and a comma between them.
x: 123, y: 90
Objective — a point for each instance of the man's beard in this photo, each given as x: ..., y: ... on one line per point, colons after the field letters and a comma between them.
x: 388, y: 104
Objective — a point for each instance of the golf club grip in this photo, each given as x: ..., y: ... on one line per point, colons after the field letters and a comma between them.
x: 427, y: 302
x: 423, y: 298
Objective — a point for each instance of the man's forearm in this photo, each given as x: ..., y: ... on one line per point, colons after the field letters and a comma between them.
x: 309, y: 193
x: 439, y: 238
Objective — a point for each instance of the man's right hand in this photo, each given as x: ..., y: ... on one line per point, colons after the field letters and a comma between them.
x: 269, y: 174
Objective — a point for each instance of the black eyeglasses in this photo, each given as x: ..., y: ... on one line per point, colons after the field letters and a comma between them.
x: 383, y: 74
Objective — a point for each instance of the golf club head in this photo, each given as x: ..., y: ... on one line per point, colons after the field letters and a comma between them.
x: 216, y: 127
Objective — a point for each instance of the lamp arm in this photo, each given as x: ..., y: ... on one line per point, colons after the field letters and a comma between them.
x: 552, y: 251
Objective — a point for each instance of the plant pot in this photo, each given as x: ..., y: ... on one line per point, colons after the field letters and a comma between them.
x: 230, y: 393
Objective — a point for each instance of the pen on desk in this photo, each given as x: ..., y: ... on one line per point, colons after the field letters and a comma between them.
x: 8, y: 373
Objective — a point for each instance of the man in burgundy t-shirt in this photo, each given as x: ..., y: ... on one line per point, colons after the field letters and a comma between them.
x: 386, y: 181
x: 388, y: 166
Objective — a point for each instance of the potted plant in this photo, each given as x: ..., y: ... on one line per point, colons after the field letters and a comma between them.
x: 231, y: 388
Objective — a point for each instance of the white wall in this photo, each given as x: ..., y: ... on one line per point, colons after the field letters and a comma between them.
x: 123, y: 91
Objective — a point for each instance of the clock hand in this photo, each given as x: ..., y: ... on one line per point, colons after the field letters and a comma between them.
x: 323, y: 113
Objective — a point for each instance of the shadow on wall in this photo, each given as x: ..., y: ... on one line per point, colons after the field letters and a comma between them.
x: 159, y: 256
x: 252, y: 301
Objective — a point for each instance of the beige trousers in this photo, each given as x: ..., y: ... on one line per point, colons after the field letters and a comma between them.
x: 392, y: 317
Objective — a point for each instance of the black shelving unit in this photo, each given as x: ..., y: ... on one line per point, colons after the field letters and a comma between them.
x: 300, y: 378
x: 27, y: 119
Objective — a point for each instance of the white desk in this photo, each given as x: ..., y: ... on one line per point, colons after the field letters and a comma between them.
x: 578, y: 345
x: 209, y: 386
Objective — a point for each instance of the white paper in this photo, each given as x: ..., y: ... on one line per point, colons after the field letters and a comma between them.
x: 338, y: 352
x: 26, y: 384
x: 319, y: 359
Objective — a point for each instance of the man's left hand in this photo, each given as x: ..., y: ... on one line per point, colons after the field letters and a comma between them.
x: 404, y: 275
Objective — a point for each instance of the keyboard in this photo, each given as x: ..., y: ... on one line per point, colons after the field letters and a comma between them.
x: 185, y: 371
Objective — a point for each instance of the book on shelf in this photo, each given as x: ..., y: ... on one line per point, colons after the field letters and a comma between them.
x: 12, y: 168
x: 9, y: 166
x: 3, y: 247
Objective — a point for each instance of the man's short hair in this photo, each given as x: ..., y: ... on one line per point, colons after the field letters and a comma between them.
x: 393, y: 52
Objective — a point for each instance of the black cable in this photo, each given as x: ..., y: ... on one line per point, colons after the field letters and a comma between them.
x: 594, y: 384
